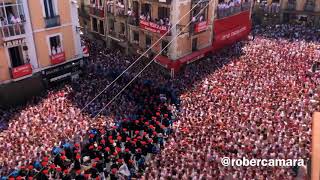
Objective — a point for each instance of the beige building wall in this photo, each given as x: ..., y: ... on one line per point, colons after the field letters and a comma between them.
x: 41, y: 41
x: 37, y: 13
x: 300, y: 4
x: 317, y: 4
x: 184, y: 42
x: 41, y: 33
x: 4, y: 70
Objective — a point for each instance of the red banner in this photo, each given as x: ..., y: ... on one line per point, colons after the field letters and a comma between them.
x: 58, y: 58
x: 21, y: 71
x: 231, y: 29
x: 153, y: 27
x: 201, y: 26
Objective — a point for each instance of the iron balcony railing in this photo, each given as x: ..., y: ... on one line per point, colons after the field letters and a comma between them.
x: 52, y: 21
x: 11, y: 30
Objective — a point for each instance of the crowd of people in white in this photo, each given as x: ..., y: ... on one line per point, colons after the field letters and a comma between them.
x: 254, y: 100
x: 229, y: 8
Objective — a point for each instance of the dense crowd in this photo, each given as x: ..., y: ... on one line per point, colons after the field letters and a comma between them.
x: 254, y: 100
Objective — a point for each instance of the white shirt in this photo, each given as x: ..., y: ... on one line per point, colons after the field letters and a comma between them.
x: 53, y: 51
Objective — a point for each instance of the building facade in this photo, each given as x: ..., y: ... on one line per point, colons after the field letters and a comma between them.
x: 301, y: 11
x: 289, y: 11
x: 38, y: 38
x: 134, y: 26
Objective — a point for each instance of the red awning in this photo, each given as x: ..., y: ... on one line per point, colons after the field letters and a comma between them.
x: 169, y: 63
x: 164, y: 61
x: 195, y: 55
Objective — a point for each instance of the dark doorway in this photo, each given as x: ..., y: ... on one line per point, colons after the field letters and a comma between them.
x: 16, y: 56
x: 194, y: 44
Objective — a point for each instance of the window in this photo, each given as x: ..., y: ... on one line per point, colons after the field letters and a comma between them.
x: 16, y: 56
x: 94, y: 24
x: 101, y: 27
x: 49, y: 8
x: 55, y: 45
x: 148, y: 41
x: 199, y: 15
x: 122, y: 29
x: 194, y: 44
x: 146, y: 9
x: 135, y: 37
x: 164, y: 47
x: 111, y: 24
x: 11, y: 13
x: 136, y: 8
x: 163, y: 12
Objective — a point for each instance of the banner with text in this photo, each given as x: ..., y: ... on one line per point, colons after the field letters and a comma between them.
x: 154, y: 27
x: 231, y: 29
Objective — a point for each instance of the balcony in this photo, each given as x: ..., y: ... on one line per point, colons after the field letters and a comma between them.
x: 245, y: 6
x: 291, y: 5
x: 12, y: 30
x: 58, y: 58
x: 154, y: 27
x: 309, y: 6
x: 20, y: 71
x: 97, y: 11
x: 120, y: 11
x: 225, y: 12
x: 52, y: 21
x: 110, y: 7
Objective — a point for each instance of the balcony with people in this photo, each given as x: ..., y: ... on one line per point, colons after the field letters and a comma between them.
x: 12, y: 19
x: 97, y: 8
x: 57, y: 53
x: 292, y: 4
x: 133, y: 15
x: 272, y: 8
x: 157, y: 25
x: 199, y: 17
x: 232, y: 7
x: 110, y: 6
x: 120, y: 8
x: 19, y: 61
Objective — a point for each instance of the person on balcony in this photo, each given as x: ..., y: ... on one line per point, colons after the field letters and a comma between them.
x: 130, y: 12
x: 148, y: 16
x: 59, y: 50
x: 18, y: 20
x: 53, y: 50
x: 161, y: 22
x: 143, y: 17
x: 12, y: 19
x: 201, y: 18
